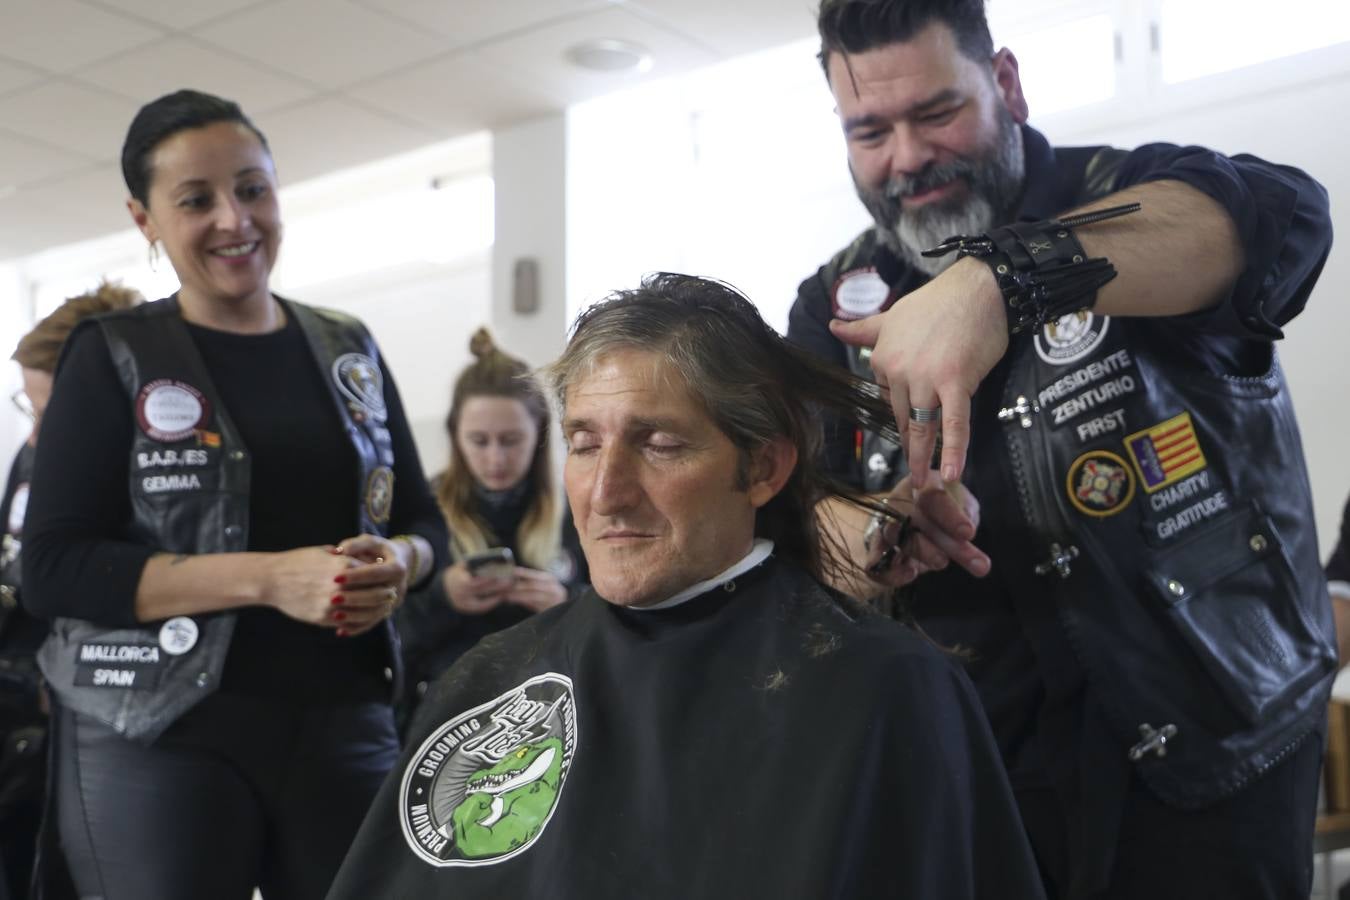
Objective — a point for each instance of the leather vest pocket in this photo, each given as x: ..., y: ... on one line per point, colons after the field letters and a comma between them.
x: 1231, y: 595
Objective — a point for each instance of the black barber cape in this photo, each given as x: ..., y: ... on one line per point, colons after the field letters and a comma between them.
x: 766, y: 739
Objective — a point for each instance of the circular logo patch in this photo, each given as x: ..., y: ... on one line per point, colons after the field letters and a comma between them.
x: 359, y: 379
x: 18, y: 508
x: 483, y: 786
x: 380, y: 494
x: 178, y: 635
x: 859, y: 294
x: 1100, y: 484
x: 1072, y: 337
x: 169, y: 410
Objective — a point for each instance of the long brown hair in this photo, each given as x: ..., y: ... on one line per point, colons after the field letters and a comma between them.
x: 497, y: 374
x: 754, y: 385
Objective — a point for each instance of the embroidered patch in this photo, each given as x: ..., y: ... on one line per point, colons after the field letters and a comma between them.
x: 483, y: 786
x: 170, y: 410
x: 135, y: 666
x: 1100, y: 483
x: 359, y: 379
x: 1166, y: 453
x: 18, y: 509
x: 860, y: 293
x: 1070, y: 338
x: 380, y: 494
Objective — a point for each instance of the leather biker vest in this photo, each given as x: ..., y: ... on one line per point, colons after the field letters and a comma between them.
x: 189, y: 475
x: 1170, y: 518
x: 1167, y: 511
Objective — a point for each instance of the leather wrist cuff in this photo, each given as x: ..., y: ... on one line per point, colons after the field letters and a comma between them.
x: 1040, y: 267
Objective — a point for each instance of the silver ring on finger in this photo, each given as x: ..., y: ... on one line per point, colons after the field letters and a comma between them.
x: 921, y: 415
x: 391, y: 594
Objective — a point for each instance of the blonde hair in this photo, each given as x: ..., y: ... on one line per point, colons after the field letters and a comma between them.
x: 41, y: 348
x: 538, y: 537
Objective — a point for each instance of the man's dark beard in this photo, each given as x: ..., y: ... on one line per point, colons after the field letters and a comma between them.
x: 994, y: 182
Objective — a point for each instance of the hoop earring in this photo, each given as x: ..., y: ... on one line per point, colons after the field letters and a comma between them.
x: 153, y: 255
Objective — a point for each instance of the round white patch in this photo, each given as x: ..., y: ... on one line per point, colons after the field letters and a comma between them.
x: 178, y: 635
x: 18, y: 508
x: 859, y: 294
x: 1072, y: 337
x: 170, y: 410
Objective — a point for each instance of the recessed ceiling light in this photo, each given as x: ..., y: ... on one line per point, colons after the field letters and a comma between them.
x: 610, y: 55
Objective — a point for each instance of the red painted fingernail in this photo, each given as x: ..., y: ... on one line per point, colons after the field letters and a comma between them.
x: 339, y: 616
x: 337, y: 599
x: 340, y: 579
x: 342, y: 632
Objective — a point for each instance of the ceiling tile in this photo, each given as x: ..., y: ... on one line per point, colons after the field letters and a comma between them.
x: 539, y: 54
x: 179, y: 62
x: 329, y: 42
x: 743, y: 26
x: 179, y: 14
x: 13, y: 77
x: 60, y: 35
x: 435, y: 94
x: 82, y: 206
x: 78, y: 119
x: 468, y: 22
x: 24, y: 162
x: 324, y: 135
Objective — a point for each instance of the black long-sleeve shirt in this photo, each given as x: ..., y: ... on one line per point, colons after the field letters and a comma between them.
x: 79, y: 562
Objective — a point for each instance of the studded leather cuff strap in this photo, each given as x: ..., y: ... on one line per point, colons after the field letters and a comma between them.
x: 1040, y: 267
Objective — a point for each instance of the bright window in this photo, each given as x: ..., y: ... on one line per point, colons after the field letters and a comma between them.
x: 1203, y: 37
x: 1065, y: 65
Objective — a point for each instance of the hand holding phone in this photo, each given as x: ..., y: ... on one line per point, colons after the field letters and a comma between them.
x: 479, y: 583
x: 499, y: 563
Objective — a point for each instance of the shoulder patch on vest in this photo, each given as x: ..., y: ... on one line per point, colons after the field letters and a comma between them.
x: 1100, y: 483
x: 1166, y: 453
x: 859, y: 293
x: 380, y: 494
x: 359, y: 379
x: 1072, y: 337
x: 169, y: 410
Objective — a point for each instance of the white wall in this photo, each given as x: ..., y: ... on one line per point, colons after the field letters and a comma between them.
x: 529, y: 164
x: 736, y: 172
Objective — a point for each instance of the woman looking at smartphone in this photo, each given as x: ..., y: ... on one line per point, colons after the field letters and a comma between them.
x: 497, y: 495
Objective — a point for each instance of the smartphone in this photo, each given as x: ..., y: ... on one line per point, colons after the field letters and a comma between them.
x: 499, y: 562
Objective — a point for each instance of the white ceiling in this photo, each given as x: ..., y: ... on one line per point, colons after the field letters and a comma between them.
x: 332, y: 83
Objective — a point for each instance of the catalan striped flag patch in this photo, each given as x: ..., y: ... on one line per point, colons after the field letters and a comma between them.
x: 1166, y: 452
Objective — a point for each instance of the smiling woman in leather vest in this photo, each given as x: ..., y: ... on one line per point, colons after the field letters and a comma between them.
x: 232, y: 509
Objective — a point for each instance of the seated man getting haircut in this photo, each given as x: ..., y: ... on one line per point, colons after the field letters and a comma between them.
x: 709, y: 721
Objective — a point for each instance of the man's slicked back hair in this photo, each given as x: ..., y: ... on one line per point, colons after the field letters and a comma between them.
x: 856, y: 26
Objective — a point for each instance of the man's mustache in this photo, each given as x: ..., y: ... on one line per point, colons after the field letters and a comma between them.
x: 933, y: 175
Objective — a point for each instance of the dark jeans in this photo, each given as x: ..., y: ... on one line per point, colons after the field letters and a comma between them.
x: 1254, y: 845
x: 240, y: 792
